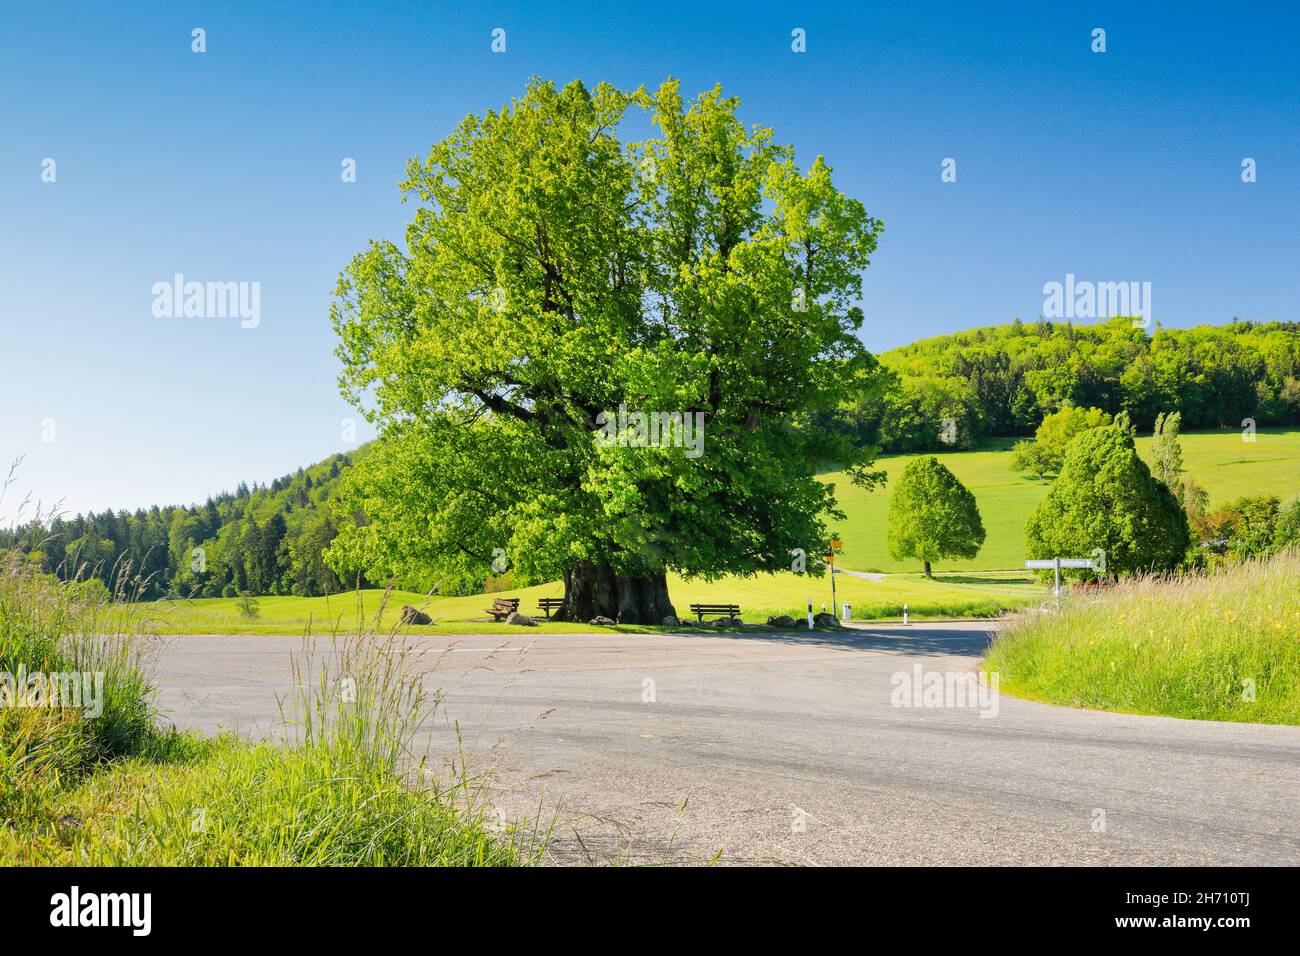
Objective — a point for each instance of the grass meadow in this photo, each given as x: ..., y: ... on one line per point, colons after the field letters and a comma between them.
x: 1220, y: 646
x: 954, y: 595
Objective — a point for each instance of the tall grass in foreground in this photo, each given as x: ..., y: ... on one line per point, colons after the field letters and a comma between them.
x: 1220, y: 646
x: 343, y: 787
x: 47, y: 627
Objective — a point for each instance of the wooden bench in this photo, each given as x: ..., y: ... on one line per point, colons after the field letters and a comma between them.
x: 699, y: 610
x: 550, y: 604
x: 502, y: 608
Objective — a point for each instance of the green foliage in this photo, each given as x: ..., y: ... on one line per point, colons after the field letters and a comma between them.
x: 1255, y: 524
x: 1167, y: 453
x: 312, y: 575
x: 114, y: 790
x: 1003, y: 380
x: 89, y: 591
x: 1250, y: 527
x: 1218, y: 646
x: 1106, y: 498
x: 247, y: 605
x: 554, y: 273
x: 52, y: 627
x: 264, y: 540
x: 1287, y: 532
x: 1034, y: 458
x: 932, y: 515
x: 1046, y: 453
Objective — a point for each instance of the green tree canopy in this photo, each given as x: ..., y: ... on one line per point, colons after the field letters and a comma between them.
x: 1046, y: 453
x: 1107, y: 498
x: 1167, y: 453
x: 554, y: 273
x: 932, y: 515
x: 1002, y: 380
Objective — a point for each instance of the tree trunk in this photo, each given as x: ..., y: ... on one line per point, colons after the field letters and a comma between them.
x: 594, y: 590
x: 927, y: 570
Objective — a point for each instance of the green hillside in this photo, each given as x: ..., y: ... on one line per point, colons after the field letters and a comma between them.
x: 1221, y: 462
x: 994, y: 384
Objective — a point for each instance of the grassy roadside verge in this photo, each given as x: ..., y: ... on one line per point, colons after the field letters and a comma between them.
x: 103, y: 786
x: 225, y: 802
x: 1224, y: 646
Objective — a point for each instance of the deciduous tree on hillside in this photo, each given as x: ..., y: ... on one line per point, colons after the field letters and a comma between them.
x: 1046, y: 453
x: 1107, y: 498
x: 1167, y: 453
x: 554, y: 273
x: 932, y: 515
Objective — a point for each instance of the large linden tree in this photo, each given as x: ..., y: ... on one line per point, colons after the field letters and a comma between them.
x: 557, y: 268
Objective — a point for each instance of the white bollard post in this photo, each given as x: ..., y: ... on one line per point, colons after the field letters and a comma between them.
x: 810, y: 624
x: 848, y: 612
x: 904, y: 613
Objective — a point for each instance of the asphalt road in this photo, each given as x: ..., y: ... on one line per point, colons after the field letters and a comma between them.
x: 788, y: 750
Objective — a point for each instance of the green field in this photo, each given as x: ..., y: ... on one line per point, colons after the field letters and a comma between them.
x: 957, y: 595
x: 1221, y: 462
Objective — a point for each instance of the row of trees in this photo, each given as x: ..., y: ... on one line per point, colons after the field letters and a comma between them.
x: 1250, y: 527
x: 1152, y: 519
x: 267, y: 539
x: 1105, y: 499
x: 1004, y: 380
x: 1105, y: 503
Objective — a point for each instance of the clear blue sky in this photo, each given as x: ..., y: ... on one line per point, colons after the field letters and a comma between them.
x: 225, y: 166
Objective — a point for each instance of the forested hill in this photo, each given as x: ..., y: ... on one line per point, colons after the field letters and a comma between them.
x: 991, y: 382
x: 266, y: 539
x: 1002, y: 380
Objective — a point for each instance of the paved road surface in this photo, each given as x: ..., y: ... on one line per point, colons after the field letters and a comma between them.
x: 787, y: 750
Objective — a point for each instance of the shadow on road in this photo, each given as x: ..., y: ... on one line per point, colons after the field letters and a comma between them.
x: 900, y: 639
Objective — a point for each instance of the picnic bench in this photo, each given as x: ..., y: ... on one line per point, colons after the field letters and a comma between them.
x: 550, y: 604
x: 502, y: 608
x: 699, y: 610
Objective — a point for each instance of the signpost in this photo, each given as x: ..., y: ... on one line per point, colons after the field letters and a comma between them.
x: 830, y: 559
x: 1056, y: 564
